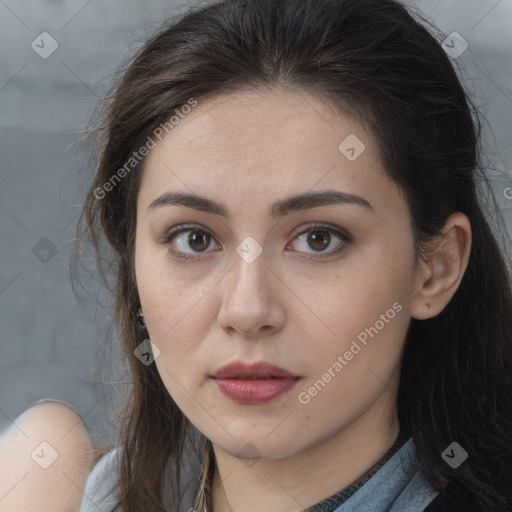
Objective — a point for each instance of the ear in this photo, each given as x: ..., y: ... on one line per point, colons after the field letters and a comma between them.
x: 442, y: 268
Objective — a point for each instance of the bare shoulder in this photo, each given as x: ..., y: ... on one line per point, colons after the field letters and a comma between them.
x: 45, y: 459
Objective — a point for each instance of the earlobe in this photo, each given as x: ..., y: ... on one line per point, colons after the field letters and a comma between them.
x: 442, y: 269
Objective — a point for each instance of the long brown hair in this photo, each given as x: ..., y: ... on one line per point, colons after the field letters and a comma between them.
x: 383, y: 64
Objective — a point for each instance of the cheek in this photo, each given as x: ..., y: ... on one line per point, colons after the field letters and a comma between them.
x: 167, y: 295
x: 364, y: 319
x: 347, y: 372
x: 363, y: 287
x: 179, y: 314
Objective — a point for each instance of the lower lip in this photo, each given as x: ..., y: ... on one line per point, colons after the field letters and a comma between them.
x: 255, y: 391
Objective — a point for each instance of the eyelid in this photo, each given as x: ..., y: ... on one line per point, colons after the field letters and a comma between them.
x: 322, y: 226
x: 166, y: 237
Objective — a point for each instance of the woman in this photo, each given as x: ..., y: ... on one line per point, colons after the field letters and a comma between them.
x: 315, y: 311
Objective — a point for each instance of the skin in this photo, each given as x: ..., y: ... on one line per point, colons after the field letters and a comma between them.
x: 46, y: 477
x: 246, y: 151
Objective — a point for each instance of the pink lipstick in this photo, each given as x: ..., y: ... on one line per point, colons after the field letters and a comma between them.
x: 254, y: 383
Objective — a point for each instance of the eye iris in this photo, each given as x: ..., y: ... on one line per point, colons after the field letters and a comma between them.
x: 201, y: 238
x: 319, y: 242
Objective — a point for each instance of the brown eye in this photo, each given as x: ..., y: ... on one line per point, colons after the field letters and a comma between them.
x: 198, y: 240
x: 319, y: 238
x: 185, y: 241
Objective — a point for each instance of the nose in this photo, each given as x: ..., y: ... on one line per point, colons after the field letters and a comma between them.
x: 252, y: 294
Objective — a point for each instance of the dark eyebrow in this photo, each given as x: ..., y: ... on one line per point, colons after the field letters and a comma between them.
x: 278, y: 209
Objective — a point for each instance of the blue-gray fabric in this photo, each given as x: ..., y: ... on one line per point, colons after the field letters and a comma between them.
x: 398, y: 486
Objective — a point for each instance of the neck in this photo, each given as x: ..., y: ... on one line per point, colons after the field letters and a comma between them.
x: 306, y: 478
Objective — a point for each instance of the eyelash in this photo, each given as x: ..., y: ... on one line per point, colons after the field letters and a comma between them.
x: 169, y: 237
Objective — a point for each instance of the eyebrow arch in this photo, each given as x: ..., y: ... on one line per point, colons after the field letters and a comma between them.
x: 279, y: 209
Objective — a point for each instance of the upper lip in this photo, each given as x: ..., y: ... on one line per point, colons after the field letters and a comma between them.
x: 261, y: 370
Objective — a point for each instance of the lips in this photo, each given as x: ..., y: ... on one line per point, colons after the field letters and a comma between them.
x: 254, y: 384
x: 255, y: 371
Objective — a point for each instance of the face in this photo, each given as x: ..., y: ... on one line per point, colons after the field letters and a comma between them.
x: 318, y: 287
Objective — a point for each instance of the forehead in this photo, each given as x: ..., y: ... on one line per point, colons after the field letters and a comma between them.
x: 263, y: 145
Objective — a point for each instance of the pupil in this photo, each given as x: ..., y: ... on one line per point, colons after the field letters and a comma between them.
x: 319, y: 242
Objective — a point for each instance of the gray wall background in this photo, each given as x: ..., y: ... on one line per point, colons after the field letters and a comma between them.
x: 49, y: 334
